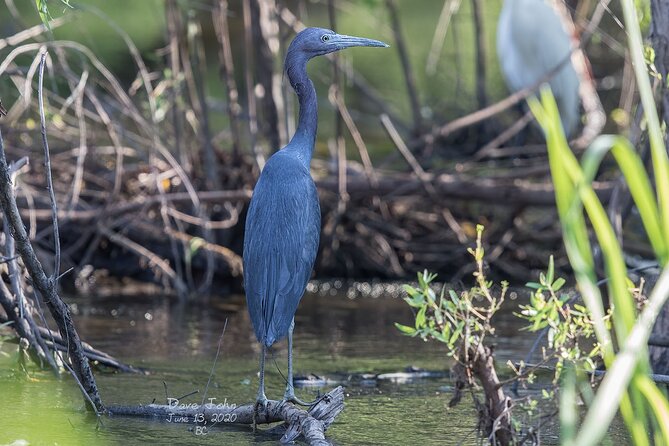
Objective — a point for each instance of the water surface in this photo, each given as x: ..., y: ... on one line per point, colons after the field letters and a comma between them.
x: 335, y: 335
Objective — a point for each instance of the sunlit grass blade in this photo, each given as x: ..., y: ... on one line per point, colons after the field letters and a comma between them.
x: 43, y: 11
x: 658, y: 150
x: 585, y: 196
x: 637, y: 180
x: 575, y: 233
x: 657, y: 402
x: 568, y: 410
x: 622, y: 370
x: 564, y: 188
x: 582, y: 196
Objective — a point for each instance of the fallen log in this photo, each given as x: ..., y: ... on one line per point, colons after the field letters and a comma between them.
x: 507, y: 192
x: 513, y: 191
x: 140, y: 204
x: 312, y: 424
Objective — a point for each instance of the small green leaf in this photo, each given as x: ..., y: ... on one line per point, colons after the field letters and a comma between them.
x: 446, y: 331
x: 43, y: 11
x: 550, y: 274
x: 559, y: 282
x: 418, y: 301
x: 411, y: 291
x: 454, y: 297
x: 194, y: 246
x: 457, y: 333
x: 405, y: 329
x: 420, y: 318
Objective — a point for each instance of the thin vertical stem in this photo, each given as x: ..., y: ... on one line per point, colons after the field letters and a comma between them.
x: 227, y: 71
x: 198, y: 64
x: 250, y: 86
x: 47, y: 168
x: 335, y: 96
x: 406, y: 66
x: 450, y: 7
x: 264, y: 39
x: 173, y: 29
x: 77, y: 182
x: 479, y: 35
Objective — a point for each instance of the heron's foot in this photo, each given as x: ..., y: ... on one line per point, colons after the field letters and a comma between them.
x: 260, y: 404
x: 289, y: 397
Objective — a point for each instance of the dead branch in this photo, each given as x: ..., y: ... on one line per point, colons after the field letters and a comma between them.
x: 516, y: 191
x: 46, y: 287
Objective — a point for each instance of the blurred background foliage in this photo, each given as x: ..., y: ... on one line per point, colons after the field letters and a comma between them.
x: 445, y: 95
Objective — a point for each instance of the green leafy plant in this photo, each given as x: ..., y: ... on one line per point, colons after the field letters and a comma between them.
x: 570, y: 332
x: 626, y: 385
x: 462, y: 321
x: 450, y: 317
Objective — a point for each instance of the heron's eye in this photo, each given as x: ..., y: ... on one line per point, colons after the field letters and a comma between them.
x: 325, y: 38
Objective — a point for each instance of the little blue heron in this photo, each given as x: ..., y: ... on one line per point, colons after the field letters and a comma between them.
x: 532, y: 41
x: 284, y: 218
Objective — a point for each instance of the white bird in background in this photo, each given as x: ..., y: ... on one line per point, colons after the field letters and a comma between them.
x: 532, y: 41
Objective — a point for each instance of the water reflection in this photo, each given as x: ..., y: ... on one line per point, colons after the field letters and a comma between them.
x: 329, y: 326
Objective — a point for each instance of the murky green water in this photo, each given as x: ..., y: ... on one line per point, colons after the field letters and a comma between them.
x: 178, y: 343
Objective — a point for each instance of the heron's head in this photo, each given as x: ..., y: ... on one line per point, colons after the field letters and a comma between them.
x: 312, y: 42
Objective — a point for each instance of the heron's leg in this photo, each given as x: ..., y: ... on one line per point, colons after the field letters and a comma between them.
x: 290, y: 390
x: 261, y: 399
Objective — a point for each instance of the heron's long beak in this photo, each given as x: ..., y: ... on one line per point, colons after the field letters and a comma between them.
x: 343, y: 41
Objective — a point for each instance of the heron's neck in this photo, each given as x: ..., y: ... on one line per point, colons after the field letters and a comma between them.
x: 305, y: 136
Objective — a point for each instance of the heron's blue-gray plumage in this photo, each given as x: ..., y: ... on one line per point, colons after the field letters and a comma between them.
x: 280, y: 246
x: 284, y: 219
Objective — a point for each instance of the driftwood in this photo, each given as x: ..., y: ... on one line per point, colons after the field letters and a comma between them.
x: 311, y: 424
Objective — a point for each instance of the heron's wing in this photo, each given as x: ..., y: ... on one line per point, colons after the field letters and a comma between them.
x: 280, y: 246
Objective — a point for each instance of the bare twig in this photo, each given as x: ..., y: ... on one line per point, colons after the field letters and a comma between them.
x: 422, y: 176
x: 47, y: 168
x: 154, y: 260
x: 450, y: 7
x: 479, y: 37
